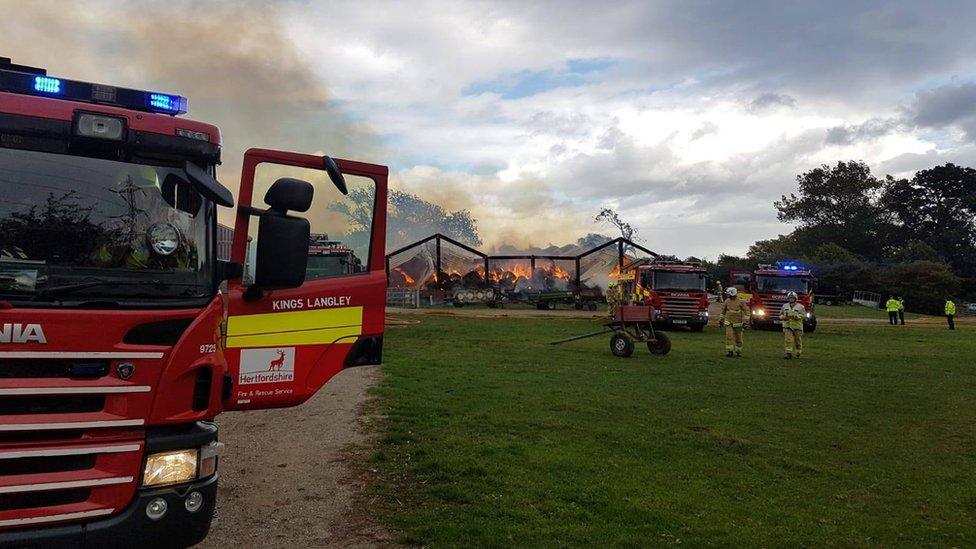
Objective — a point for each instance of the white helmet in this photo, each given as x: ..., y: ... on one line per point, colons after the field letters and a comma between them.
x: 731, y: 291
x: 791, y: 295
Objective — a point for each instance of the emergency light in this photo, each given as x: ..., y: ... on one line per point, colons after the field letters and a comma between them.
x: 35, y: 81
x: 45, y: 84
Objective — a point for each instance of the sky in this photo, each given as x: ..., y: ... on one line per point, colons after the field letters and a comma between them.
x: 689, y: 118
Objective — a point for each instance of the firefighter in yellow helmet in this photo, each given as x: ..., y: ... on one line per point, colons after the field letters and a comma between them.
x: 735, y: 317
x: 792, y: 315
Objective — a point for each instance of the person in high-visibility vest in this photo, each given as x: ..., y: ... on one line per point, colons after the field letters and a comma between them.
x: 792, y: 315
x: 950, y: 312
x: 901, y: 310
x: 735, y: 317
x: 892, y: 307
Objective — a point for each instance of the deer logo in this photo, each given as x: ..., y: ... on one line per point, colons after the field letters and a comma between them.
x: 277, y: 363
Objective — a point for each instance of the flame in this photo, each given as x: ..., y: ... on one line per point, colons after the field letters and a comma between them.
x: 615, y: 273
x: 513, y: 273
x: 407, y: 279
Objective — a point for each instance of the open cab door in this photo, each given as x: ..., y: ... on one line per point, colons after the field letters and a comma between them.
x: 310, y: 232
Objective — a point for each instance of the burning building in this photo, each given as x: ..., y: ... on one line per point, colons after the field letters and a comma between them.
x: 439, y: 267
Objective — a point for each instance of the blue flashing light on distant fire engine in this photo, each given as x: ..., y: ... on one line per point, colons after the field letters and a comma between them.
x: 46, y: 84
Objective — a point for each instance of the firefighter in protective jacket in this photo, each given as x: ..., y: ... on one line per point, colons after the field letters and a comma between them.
x: 792, y: 315
x: 735, y: 317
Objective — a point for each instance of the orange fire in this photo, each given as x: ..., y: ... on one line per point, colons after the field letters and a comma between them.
x: 407, y: 279
x: 559, y: 273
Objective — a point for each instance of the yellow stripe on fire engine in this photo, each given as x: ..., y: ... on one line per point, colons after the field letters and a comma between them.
x: 318, y: 326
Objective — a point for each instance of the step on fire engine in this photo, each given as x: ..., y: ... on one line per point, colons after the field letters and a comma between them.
x: 117, y: 346
x: 676, y: 290
x: 766, y: 289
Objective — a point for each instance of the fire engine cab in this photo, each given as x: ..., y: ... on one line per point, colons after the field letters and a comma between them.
x: 330, y: 258
x: 676, y: 290
x: 118, y: 346
x: 768, y: 288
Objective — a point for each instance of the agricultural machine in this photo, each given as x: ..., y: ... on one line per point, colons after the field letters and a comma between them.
x: 630, y: 323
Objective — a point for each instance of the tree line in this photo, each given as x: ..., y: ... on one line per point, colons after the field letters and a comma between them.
x: 914, y: 238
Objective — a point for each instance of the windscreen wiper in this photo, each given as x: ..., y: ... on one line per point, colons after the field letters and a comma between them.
x: 68, y: 288
x: 43, y: 293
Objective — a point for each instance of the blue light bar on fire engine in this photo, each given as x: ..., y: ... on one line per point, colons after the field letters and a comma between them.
x: 46, y: 84
x: 167, y: 103
x: 35, y: 81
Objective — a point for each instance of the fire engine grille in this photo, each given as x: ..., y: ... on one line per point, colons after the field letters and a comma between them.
x: 35, y: 368
x: 774, y: 305
x: 34, y: 404
x: 18, y: 437
x: 33, y: 500
x: 71, y: 435
x: 680, y: 307
x: 47, y: 464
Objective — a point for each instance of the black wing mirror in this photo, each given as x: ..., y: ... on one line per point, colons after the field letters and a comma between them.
x: 282, y: 251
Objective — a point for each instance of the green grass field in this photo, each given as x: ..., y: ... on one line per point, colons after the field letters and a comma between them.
x: 494, y: 438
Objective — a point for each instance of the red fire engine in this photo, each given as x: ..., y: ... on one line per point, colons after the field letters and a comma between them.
x: 117, y: 346
x: 676, y: 289
x: 767, y: 288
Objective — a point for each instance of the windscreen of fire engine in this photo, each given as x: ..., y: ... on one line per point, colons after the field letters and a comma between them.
x: 73, y: 227
x: 341, y: 225
x: 782, y: 284
x: 678, y: 281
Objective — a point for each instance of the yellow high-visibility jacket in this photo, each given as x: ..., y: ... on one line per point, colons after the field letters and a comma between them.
x: 792, y: 315
x: 892, y: 305
x: 735, y: 312
x: 950, y: 308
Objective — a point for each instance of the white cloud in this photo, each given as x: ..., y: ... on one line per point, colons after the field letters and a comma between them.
x: 690, y: 117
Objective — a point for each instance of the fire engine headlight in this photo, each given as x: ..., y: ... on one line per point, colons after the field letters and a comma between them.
x: 170, y: 468
x: 163, y: 238
x: 759, y: 312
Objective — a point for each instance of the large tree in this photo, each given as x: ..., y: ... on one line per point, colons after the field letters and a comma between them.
x: 839, y: 204
x: 938, y: 207
x: 409, y: 218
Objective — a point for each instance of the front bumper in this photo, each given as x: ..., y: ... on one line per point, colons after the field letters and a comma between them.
x: 691, y: 322
x: 131, y: 527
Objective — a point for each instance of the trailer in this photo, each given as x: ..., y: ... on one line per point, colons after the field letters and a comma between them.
x: 629, y: 325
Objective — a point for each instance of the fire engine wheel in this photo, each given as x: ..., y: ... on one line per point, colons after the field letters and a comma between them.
x: 660, y: 345
x: 621, y: 345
